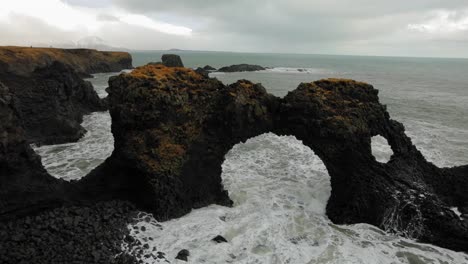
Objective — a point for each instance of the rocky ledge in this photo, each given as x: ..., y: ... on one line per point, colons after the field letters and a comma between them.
x: 51, y: 97
x: 24, y: 60
x: 241, y: 68
x: 173, y: 127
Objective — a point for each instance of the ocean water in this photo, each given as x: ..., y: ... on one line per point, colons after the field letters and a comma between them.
x: 279, y: 213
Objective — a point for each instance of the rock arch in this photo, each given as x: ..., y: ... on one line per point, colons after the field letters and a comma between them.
x: 173, y: 127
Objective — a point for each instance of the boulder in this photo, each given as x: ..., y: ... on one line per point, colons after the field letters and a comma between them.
x: 172, y: 60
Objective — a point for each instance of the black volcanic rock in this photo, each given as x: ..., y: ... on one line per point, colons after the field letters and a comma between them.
x: 202, y: 71
x: 51, y: 102
x: 173, y: 127
x: 172, y: 60
x: 183, y: 255
x: 25, y: 186
x: 220, y: 239
x: 241, y: 68
x: 209, y: 68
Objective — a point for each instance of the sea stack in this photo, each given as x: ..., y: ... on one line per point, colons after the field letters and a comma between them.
x: 173, y: 127
x: 172, y: 60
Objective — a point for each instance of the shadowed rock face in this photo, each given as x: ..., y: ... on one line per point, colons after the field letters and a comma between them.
x: 50, y: 95
x: 51, y: 102
x: 173, y: 127
x: 24, y: 183
x: 171, y: 60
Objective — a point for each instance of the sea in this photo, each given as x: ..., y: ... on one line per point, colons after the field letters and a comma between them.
x: 280, y: 188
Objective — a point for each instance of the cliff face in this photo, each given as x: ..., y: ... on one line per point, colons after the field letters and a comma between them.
x: 50, y: 95
x: 173, y: 127
x: 25, y: 184
x: 23, y: 60
x: 51, y: 102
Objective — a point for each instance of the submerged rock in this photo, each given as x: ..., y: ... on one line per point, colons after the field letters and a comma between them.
x: 220, y: 239
x: 242, y: 68
x: 183, y: 255
x: 172, y: 60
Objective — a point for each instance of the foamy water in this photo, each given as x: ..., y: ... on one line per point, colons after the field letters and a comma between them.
x: 280, y: 189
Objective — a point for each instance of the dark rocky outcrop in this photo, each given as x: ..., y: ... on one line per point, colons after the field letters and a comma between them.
x: 220, y: 239
x: 25, y: 186
x: 31, y: 230
x: 183, y: 255
x: 50, y: 95
x: 51, y: 102
x: 25, y: 60
x: 172, y: 128
x: 209, y: 68
x: 241, y: 68
x: 172, y: 60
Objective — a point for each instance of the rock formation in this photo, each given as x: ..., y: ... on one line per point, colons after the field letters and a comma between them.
x: 50, y: 95
x: 171, y: 60
x: 173, y: 127
x: 24, y: 60
x: 25, y: 186
x: 209, y: 68
x: 241, y: 68
x: 30, y: 231
x: 51, y: 103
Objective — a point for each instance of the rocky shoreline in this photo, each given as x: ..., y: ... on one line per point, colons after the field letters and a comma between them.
x: 172, y: 128
x: 51, y: 96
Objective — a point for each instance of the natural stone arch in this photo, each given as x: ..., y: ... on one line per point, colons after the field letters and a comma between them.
x: 173, y: 128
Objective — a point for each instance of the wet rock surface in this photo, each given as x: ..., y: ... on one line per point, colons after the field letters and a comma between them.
x: 25, y: 186
x: 241, y: 68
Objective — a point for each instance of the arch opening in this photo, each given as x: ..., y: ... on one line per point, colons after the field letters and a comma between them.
x: 73, y: 161
x: 278, y: 170
x: 381, y: 149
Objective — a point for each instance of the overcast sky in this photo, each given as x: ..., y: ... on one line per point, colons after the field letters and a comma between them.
x: 358, y: 27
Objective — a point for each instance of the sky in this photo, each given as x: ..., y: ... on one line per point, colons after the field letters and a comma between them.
x: 429, y: 28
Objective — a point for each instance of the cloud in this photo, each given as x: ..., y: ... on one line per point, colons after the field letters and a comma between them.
x: 369, y: 27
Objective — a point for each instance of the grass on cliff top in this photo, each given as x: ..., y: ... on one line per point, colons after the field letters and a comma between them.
x: 14, y: 54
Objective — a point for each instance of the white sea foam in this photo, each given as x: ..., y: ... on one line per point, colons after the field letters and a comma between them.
x: 381, y: 149
x: 278, y: 217
x: 298, y: 70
